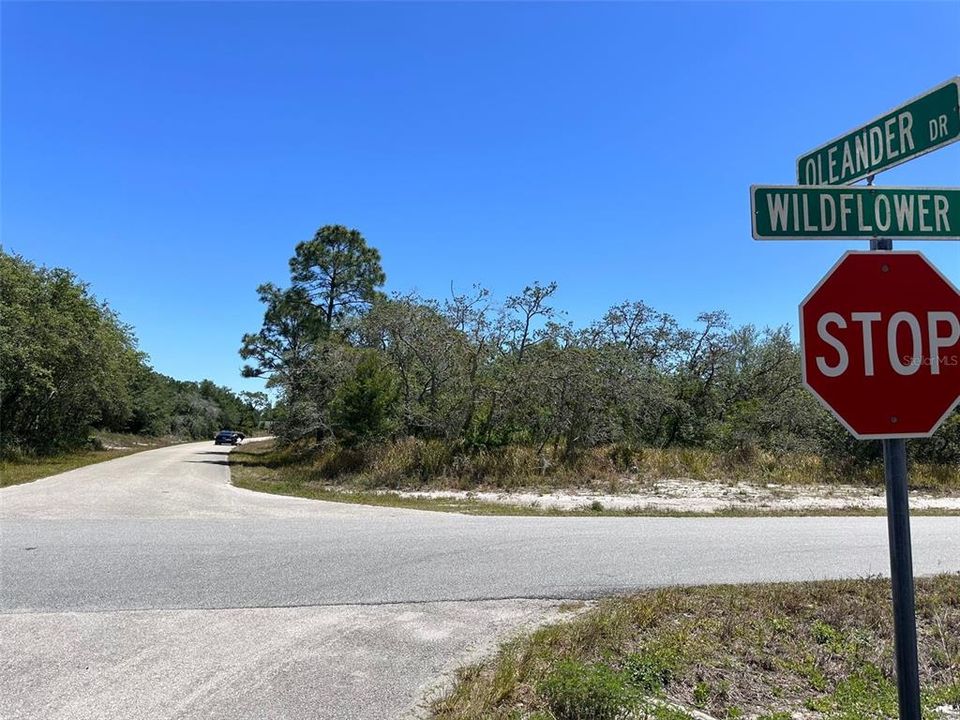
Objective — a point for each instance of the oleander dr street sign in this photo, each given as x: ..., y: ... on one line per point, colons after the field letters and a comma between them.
x: 880, y: 344
x: 787, y: 212
x: 917, y: 127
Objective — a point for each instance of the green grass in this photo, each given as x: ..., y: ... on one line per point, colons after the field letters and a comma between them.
x: 28, y: 469
x: 817, y: 650
x: 264, y: 468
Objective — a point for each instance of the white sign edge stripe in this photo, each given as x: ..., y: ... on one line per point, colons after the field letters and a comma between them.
x: 840, y: 188
x: 859, y: 188
x: 753, y: 211
x: 955, y: 80
x: 803, y: 354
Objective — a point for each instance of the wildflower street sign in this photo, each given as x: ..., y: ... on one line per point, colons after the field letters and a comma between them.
x: 849, y: 213
x: 915, y: 128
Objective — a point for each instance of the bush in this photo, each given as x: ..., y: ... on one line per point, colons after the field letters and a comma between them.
x: 364, y: 405
x: 623, y: 456
x: 69, y: 365
x: 655, y: 667
x: 579, y: 691
x: 65, y: 359
x: 337, y: 461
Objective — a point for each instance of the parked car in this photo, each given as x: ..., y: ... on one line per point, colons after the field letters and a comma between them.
x: 228, y: 437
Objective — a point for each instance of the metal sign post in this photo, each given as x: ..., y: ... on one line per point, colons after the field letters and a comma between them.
x: 901, y: 563
x: 901, y: 577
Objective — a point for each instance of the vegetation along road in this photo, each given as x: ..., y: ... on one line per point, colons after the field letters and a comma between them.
x: 168, y: 592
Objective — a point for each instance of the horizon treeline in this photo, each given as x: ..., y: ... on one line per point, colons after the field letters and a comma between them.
x: 354, y: 366
x: 68, y: 365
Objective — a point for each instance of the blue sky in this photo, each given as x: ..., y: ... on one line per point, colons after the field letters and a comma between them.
x: 173, y: 154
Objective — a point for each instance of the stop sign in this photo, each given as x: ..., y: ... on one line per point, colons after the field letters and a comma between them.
x: 880, y: 344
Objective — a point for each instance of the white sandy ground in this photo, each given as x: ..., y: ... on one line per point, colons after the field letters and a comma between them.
x: 682, y: 495
x: 701, y: 496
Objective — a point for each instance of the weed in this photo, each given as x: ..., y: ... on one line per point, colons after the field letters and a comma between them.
x: 760, y: 651
x: 824, y: 634
x: 580, y: 691
x: 868, y: 693
x: 653, y: 668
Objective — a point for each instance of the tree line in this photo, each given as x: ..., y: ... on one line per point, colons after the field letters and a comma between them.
x: 69, y: 365
x: 353, y: 365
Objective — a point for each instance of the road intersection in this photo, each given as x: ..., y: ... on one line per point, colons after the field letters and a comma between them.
x: 149, y: 586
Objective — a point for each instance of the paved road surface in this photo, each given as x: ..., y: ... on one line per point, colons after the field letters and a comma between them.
x: 150, y: 587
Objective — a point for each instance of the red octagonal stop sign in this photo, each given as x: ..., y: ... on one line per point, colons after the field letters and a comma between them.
x: 880, y: 344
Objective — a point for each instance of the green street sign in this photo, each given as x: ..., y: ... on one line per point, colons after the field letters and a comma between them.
x: 917, y: 127
x: 787, y: 212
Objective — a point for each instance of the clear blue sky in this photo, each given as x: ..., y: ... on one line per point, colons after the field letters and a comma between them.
x: 173, y: 154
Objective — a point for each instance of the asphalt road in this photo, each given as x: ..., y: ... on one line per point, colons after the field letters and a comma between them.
x: 150, y: 587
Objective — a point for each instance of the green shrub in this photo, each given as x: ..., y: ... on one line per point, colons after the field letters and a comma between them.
x: 364, y: 405
x: 579, y: 691
x: 826, y: 634
x: 654, y: 668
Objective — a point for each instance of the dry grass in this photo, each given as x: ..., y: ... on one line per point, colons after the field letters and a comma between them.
x: 414, y: 463
x: 263, y: 469
x: 332, y: 476
x: 772, y: 651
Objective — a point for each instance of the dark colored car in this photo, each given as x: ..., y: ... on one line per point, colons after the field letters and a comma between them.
x: 228, y: 437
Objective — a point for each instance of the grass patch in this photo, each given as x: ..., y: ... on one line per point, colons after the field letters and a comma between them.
x: 818, y: 650
x: 415, y: 463
x: 305, y: 472
x: 105, y: 446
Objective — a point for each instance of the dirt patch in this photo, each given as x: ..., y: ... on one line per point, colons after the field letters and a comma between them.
x: 698, y: 496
